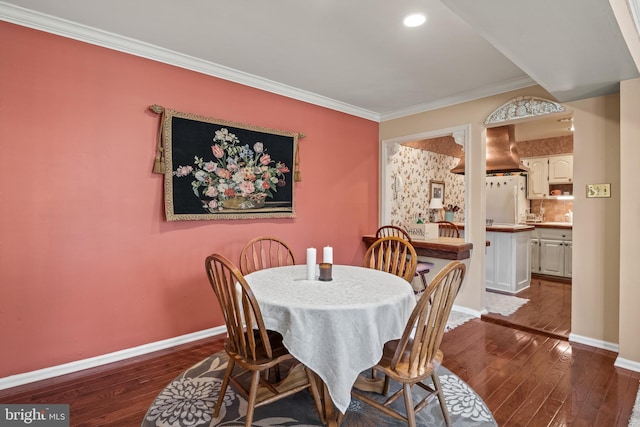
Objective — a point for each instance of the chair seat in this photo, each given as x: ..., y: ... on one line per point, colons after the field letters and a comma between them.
x: 424, y: 267
x: 278, y: 350
x: 402, y: 372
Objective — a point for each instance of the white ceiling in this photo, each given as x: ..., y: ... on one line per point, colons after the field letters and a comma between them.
x: 356, y: 56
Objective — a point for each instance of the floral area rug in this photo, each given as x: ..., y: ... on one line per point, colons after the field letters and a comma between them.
x: 503, y: 304
x: 189, y: 401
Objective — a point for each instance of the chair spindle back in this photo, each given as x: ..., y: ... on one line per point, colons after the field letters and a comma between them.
x: 393, y: 255
x: 241, y: 312
x: 425, y: 328
x: 265, y: 252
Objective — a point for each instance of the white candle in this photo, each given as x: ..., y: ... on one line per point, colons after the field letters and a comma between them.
x: 311, y: 263
x: 327, y: 254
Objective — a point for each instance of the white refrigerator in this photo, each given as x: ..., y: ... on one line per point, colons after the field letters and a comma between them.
x: 507, y: 199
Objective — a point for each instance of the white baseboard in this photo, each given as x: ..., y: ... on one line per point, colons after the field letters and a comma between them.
x: 593, y: 342
x: 627, y: 364
x: 92, y: 362
x: 469, y: 311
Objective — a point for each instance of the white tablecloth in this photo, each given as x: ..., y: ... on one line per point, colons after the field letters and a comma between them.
x: 336, y: 328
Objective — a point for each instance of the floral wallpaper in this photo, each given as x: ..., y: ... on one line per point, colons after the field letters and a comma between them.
x: 417, y: 168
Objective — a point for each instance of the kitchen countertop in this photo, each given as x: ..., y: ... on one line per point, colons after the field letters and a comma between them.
x: 510, y: 228
x: 504, y: 228
x: 563, y: 225
x: 529, y: 226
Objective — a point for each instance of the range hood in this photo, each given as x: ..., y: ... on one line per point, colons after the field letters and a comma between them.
x: 502, y: 152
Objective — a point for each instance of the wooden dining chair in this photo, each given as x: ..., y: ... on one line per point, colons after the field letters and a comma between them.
x: 448, y: 229
x: 265, y: 252
x: 394, y: 255
x: 251, y: 346
x: 422, y: 268
x: 415, y: 356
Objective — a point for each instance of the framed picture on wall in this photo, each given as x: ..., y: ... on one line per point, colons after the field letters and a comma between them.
x: 436, y: 190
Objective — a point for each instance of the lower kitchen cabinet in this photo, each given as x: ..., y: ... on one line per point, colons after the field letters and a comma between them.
x: 551, y: 251
x: 535, y: 254
x: 552, y: 257
x: 568, y: 259
x: 507, y: 261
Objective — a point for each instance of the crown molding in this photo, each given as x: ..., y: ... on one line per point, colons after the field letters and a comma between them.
x: 39, y: 21
x: 50, y: 24
x: 467, y: 96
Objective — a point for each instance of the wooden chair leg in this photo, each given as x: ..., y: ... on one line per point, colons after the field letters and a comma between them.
x: 408, y: 403
x: 277, y: 372
x: 253, y: 392
x: 423, y: 278
x: 386, y: 386
x: 223, y: 388
x: 315, y: 392
x: 443, y: 403
x: 329, y: 408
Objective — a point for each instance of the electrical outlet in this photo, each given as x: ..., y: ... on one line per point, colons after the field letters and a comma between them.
x: 598, y: 190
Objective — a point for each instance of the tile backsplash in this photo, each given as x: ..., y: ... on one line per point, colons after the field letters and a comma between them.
x: 554, y: 210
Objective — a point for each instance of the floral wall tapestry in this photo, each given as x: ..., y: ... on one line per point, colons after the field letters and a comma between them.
x: 215, y: 169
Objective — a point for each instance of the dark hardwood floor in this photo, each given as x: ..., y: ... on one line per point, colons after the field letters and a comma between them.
x: 530, y: 379
x: 547, y: 312
x: 526, y: 379
x: 117, y: 394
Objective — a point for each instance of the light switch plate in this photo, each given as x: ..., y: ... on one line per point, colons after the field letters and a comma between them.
x: 598, y: 190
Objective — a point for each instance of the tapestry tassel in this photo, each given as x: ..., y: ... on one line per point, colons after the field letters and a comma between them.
x: 297, y: 174
x: 158, y: 164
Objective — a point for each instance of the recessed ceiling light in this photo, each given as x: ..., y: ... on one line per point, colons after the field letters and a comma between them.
x: 414, y: 20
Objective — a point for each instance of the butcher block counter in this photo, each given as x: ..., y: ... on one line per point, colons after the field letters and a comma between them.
x: 561, y: 225
x: 442, y: 247
x: 504, y: 228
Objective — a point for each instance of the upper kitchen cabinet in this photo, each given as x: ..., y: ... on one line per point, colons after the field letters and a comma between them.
x: 538, y: 177
x: 561, y: 169
x: 545, y: 171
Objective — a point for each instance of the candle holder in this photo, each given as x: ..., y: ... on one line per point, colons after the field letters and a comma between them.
x: 325, y: 272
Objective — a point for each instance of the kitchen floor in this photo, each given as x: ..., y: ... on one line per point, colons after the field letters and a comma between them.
x: 548, y: 311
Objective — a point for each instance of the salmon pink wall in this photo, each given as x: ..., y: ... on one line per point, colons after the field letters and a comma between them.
x: 88, y: 264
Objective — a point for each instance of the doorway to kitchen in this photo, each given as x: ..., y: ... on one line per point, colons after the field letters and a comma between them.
x: 542, y: 142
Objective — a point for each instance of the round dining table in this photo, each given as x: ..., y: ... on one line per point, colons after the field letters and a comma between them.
x: 336, y: 328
